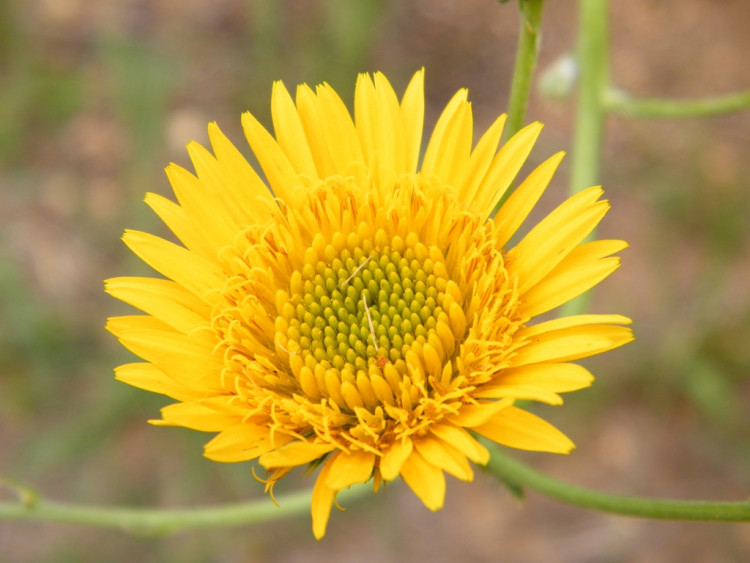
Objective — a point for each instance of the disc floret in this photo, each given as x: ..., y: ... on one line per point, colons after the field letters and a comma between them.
x: 357, y: 315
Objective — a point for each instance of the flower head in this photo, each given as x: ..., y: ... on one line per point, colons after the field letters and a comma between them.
x: 361, y: 312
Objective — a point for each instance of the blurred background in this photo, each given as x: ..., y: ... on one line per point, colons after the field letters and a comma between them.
x: 97, y: 97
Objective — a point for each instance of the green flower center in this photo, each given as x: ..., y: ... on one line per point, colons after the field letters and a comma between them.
x: 362, y: 307
x: 357, y: 311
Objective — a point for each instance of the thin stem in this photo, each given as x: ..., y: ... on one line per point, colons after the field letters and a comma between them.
x: 620, y: 103
x: 593, y: 62
x: 526, y: 55
x: 593, y: 57
x: 508, y: 469
x: 157, y: 522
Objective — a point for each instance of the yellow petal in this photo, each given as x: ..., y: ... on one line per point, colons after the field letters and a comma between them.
x: 390, y: 125
x: 449, y: 160
x: 554, y: 378
x: 504, y: 168
x: 519, y: 429
x: 322, y: 501
x: 201, y: 197
x: 341, y: 136
x: 520, y: 392
x: 346, y: 469
x: 462, y: 441
x: 242, y: 442
x: 163, y: 299
x: 366, y: 118
x: 474, y: 415
x: 295, y: 453
x: 320, y: 127
x: 289, y: 131
x: 481, y: 158
x: 281, y: 175
x: 426, y: 480
x: 523, y: 199
x: 446, y: 457
x: 150, y: 378
x: 435, y: 148
x: 566, y: 281
x: 206, y: 415
x: 553, y: 238
x: 412, y: 111
x: 178, y: 221
x: 243, y: 191
x: 184, y: 358
x: 596, y: 249
x: 573, y: 343
x: 196, y: 274
x: 136, y: 323
x: 394, y: 458
x: 590, y: 319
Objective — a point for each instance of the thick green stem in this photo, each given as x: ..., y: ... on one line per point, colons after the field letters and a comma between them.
x: 513, y: 471
x: 526, y: 55
x: 655, y: 108
x: 157, y: 522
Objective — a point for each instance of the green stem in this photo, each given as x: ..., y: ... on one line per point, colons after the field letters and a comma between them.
x: 593, y: 64
x: 526, y: 55
x: 157, y: 522
x: 513, y: 471
x: 622, y: 104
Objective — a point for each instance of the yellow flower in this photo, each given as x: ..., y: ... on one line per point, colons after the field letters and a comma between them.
x: 360, y: 312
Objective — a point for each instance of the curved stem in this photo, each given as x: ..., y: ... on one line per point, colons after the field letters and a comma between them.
x: 151, y: 521
x: 526, y: 55
x: 620, y: 103
x: 513, y: 471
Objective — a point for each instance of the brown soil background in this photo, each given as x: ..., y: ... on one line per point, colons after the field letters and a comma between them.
x: 96, y: 98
